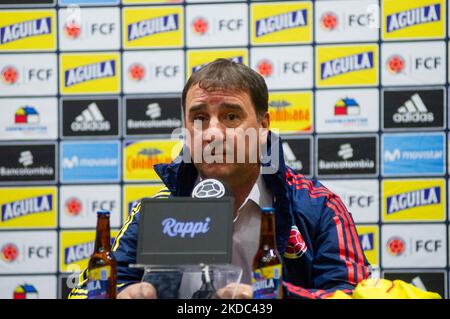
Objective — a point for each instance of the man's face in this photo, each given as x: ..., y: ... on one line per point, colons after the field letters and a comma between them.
x: 224, y: 133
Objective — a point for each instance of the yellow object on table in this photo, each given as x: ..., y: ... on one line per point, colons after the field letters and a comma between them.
x: 386, y: 289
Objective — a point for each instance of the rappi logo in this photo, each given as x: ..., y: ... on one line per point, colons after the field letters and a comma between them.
x: 265, y: 68
x: 329, y: 21
x: 396, y: 246
x: 200, y: 25
x: 136, y: 72
x: 296, y: 244
x: 395, y: 64
x: 9, y: 75
x: 72, y: 30
x: 73, y: 207
x: 9, y: 253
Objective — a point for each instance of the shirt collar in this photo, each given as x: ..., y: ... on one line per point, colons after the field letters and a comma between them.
x: 259, y: 194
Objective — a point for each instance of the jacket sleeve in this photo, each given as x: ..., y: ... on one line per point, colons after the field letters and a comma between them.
x: 339, y: 261
x: 124, y: 250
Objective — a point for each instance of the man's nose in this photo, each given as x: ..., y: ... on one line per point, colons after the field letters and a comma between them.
x: 214, y: 131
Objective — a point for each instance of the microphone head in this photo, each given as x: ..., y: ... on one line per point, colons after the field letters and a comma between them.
x: 210, y: 188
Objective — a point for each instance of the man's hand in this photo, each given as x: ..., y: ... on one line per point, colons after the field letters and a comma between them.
x: 142, y: 290
x: 243, y: 291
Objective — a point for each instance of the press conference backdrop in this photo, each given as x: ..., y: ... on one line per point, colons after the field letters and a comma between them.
x: 90, y: 92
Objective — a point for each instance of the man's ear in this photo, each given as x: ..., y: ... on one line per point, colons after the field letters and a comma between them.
x: 265, y: 121
x: 265, y: 126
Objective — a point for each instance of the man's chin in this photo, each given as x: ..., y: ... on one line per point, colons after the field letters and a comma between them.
x: 215, y: 170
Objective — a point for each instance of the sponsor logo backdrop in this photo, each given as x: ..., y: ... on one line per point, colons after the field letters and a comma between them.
x: 90, y: 91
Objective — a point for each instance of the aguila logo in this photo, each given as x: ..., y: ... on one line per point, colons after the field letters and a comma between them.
x: 395, y: 64
x: 9, y: 253
x: 200, y: 26
x: 296, y: 244
x: 136, y: 72
x: 10, y: 75
x: 265, y: 68
x: 73, y: 206
x: 329, y: 21
x: 72, y: 30
x: 396, y: 246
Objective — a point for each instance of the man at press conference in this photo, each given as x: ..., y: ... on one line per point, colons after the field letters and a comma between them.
x: 221, y: 101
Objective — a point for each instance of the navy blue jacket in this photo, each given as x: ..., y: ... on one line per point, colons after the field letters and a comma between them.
x: 315, y: 234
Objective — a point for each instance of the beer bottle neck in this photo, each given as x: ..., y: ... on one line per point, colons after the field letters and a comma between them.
x: 102, y: 237
x: 267, y: 236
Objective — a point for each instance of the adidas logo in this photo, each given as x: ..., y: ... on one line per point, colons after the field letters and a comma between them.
x: 290, y: 158
x: 91, y: 119
x: 413, y: 111
x: 345, y: 151
x: 26, y: 158
x: 153, y: 111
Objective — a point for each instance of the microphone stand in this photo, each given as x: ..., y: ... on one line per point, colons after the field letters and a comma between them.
x: 207, y: 290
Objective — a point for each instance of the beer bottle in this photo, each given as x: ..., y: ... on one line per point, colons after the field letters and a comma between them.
x: 267, y: 266
x: 102, y: 267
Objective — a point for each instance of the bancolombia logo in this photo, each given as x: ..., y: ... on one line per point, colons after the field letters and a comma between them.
x: 347, y: 156
x: 28, y: 163
x: 173, y: 228
x: 153, y: 116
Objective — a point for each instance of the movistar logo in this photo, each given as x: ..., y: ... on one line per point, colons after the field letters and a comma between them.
x: 90, y: 72
x: 417, y: 198
x: 28, y: 206
x: 26, y: 29
x: 280, y: 22
x: 347, y: 64
x: 148, y: 27
x: 404, y: 19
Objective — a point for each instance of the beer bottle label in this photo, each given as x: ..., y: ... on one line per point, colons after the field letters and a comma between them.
x: 98, y: 280
x: 266, y: 282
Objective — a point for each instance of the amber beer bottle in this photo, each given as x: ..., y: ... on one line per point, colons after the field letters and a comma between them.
x: 267, y: 263
x: 102, y: 267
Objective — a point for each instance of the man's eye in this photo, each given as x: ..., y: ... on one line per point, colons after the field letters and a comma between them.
x: 199, y: 117
x: 231, y: 117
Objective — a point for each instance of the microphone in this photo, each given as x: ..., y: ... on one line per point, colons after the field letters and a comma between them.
x: 211, y: 188
x: 208, y: 188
